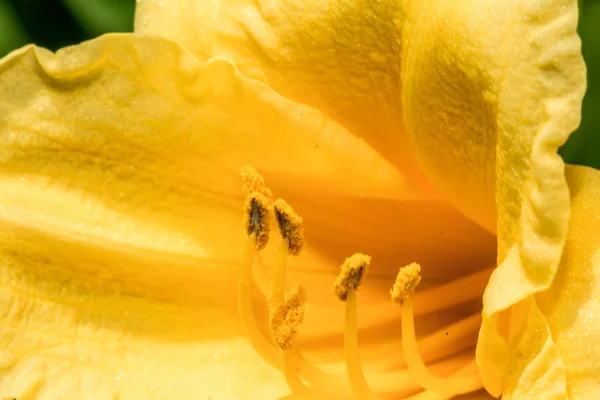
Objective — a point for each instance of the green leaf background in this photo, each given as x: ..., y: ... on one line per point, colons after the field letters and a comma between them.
x: 57, y: 23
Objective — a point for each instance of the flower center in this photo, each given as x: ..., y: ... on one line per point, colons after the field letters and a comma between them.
x: 286, y: 316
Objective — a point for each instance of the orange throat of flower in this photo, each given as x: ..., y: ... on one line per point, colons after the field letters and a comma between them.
x: 304, y: 379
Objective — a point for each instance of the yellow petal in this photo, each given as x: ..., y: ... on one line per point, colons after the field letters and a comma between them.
x: 335, y: 56
x: 351, y: 61
x: 554, y: 351
x: 533, y: 203
x: 490, y: 91
x: 571, y: 305
x: 536, y: 369
x: 541, y: 82
x: 68, y: 334
x: 120, y: 216
x: 149, y: 132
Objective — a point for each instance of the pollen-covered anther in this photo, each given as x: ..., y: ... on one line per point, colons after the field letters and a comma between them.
x: 291, y: 226
x: 252, y: 181
x: 352, y: 272
x: 286, y: 319
x: 257, y: 217
x: 406, y: 281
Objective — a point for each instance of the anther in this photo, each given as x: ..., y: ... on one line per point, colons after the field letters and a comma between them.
x: 290, y: 225
x: 406, y: 281
x: 287, y: 318
x: 257, y: 216
x: 352, y: 271
x: 252, y: 181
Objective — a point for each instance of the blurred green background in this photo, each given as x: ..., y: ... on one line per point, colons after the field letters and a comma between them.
x: 57, y: 23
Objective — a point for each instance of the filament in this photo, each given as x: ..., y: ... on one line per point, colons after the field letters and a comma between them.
x: 278, y: 282
x: 353, y: 365
x: 469, y: 368
x: 290, y: 373
x: 444, y: 386
x: 245, y: 312
x: 322, y: 381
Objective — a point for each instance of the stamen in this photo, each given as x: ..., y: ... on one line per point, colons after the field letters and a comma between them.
x: 257, y: 215
x: 290, y: 225
x: 246, y: 314
x: 353, y: 364
x: 292, y: 233
x: 352, y: 272
x: 252, y: 181
x: 406, y: 282
x: 256, y: 218
x: 277, y: 287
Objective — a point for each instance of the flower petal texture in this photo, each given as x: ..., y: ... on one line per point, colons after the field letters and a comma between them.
x: 491, y: 91
x: 339, y: 57
x: 570, y: 306
x: 479, y: 95
x: 556, y: 355
x: 120, y: 216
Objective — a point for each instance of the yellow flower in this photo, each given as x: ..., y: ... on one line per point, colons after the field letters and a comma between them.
x: 410, y: 131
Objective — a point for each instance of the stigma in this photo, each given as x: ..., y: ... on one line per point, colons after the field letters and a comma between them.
x: 286, y: 316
